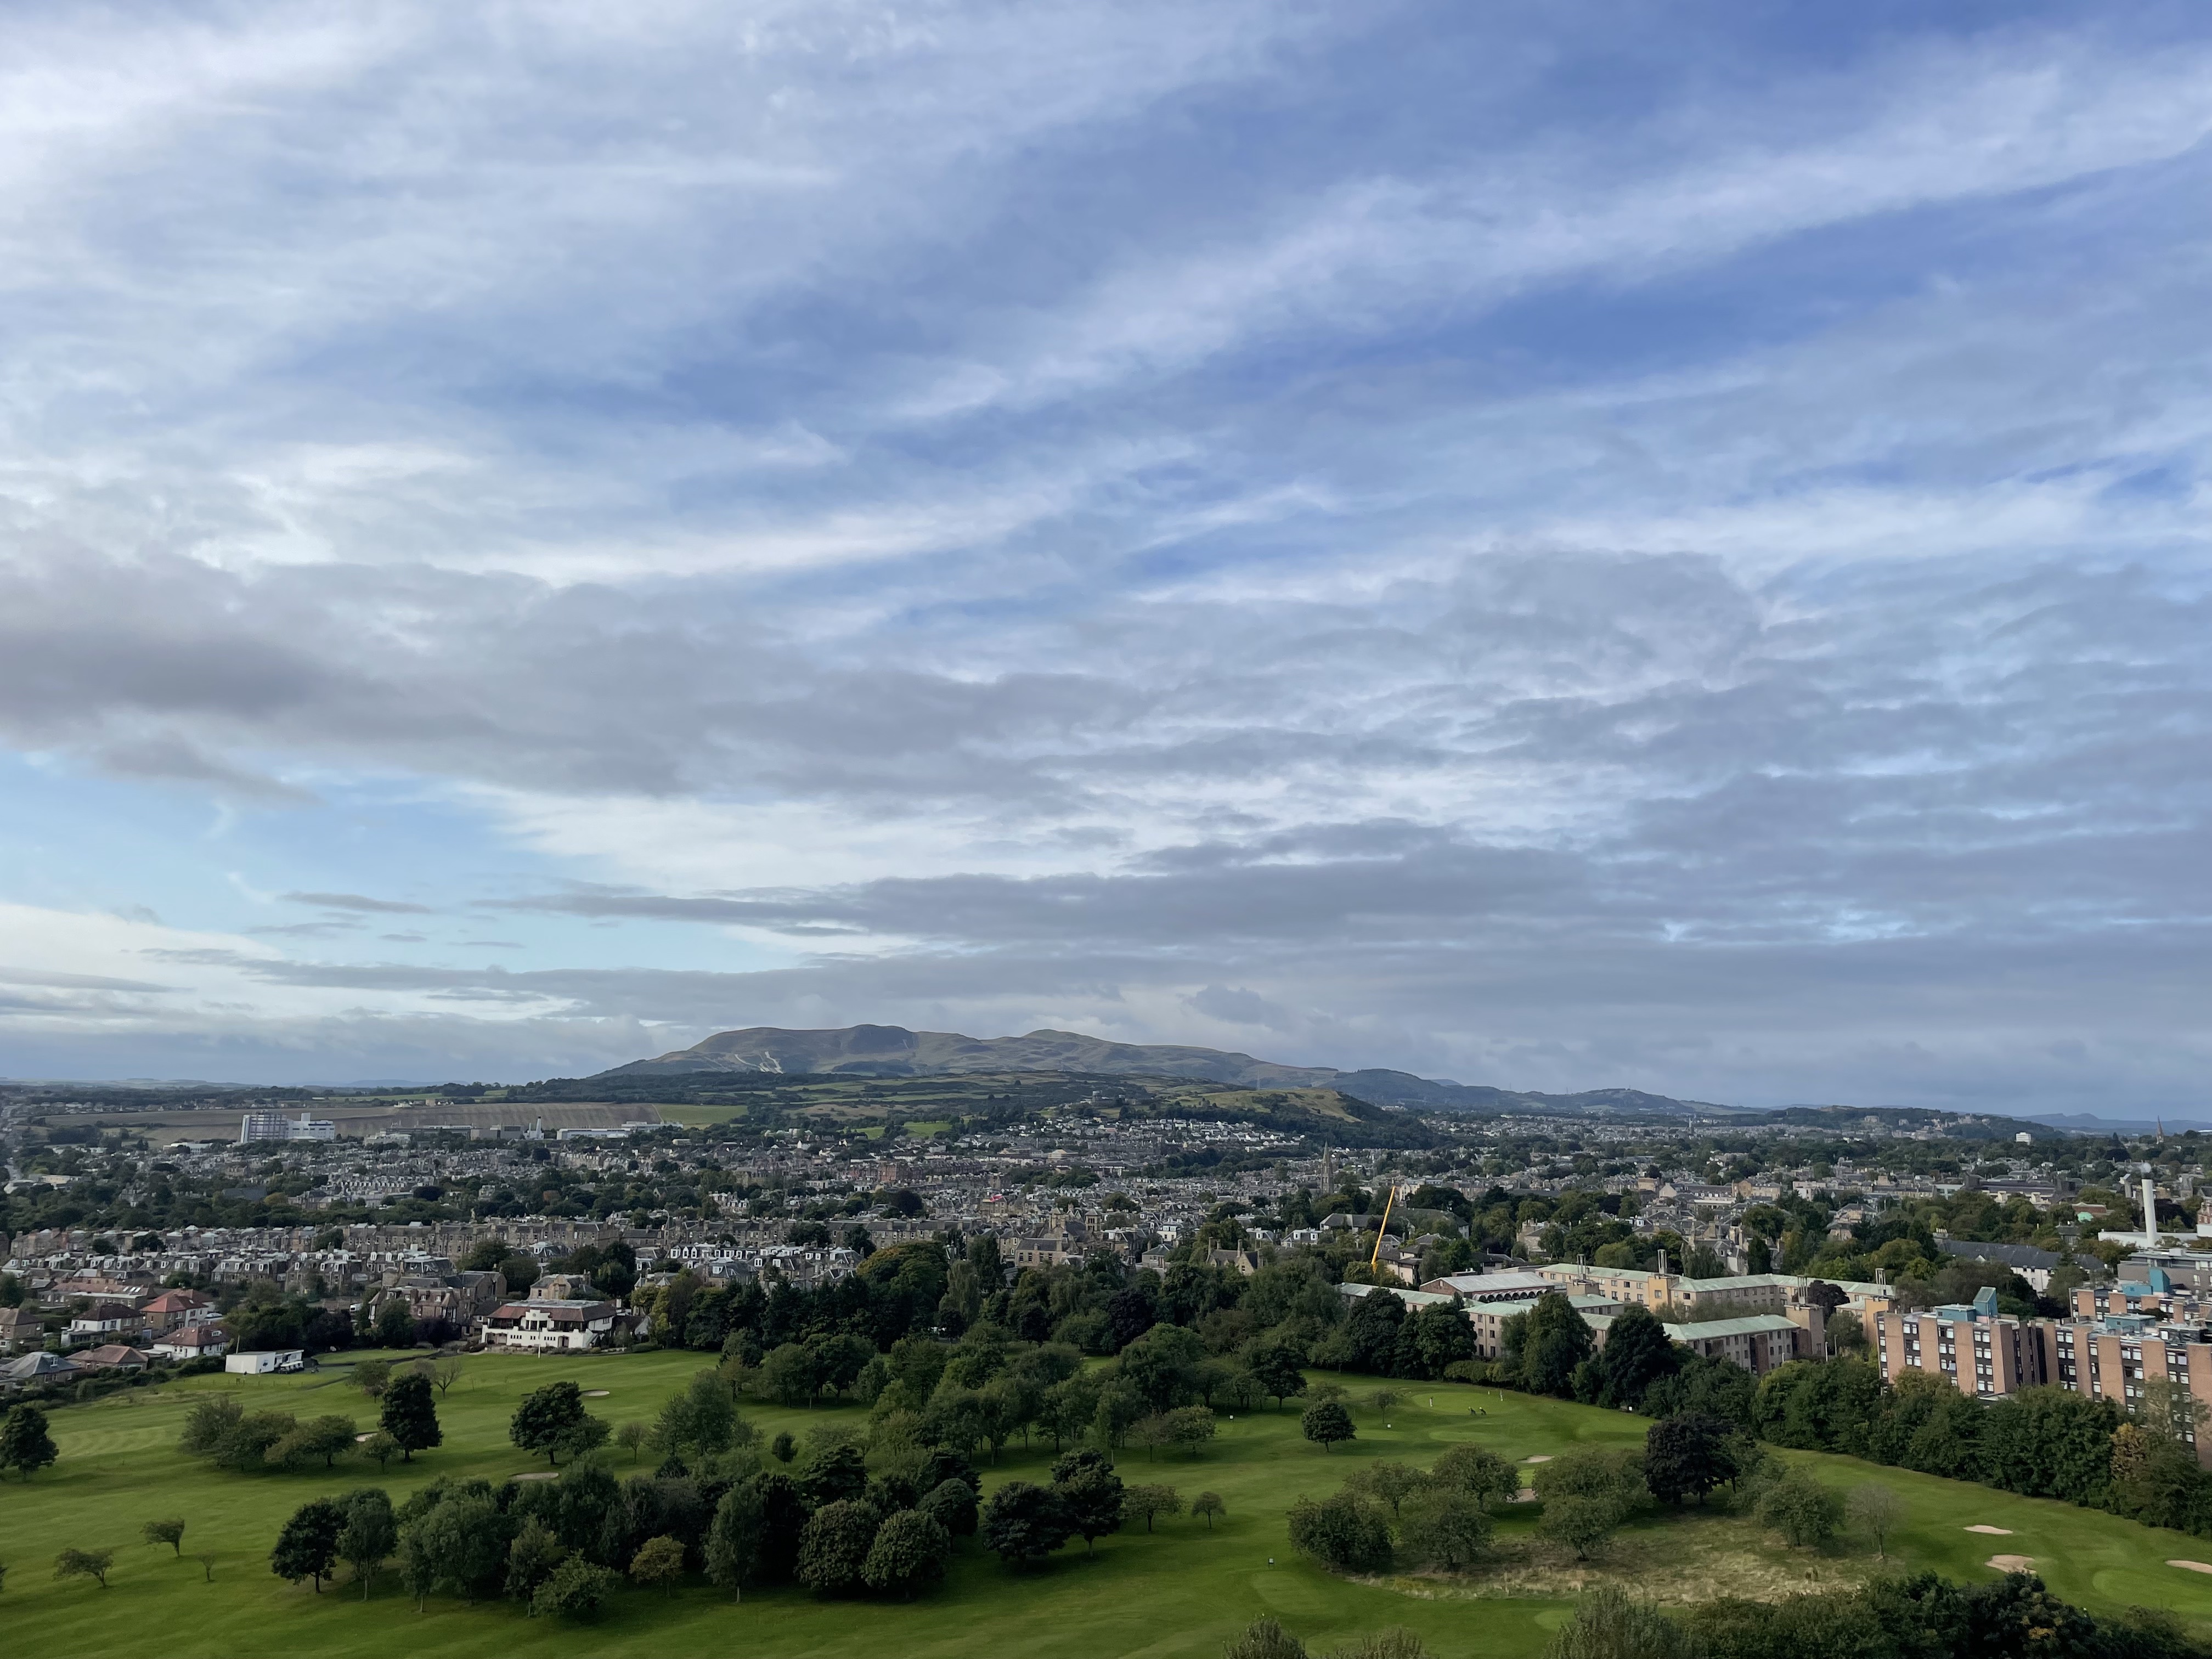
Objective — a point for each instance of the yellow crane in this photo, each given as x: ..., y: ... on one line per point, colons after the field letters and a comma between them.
x: 1391, y: 1198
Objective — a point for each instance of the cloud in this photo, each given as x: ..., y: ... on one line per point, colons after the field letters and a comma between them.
x: 356, y: 902
x: 1406, y: 533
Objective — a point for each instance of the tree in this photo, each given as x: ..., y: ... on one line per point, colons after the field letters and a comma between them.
x: 411, y: 1416
x: 1275, y: 1367
x: 1582, y: 1524
x: 308, y: 1548
x: 1478, y: 1472
x: 381, y: 1447
x: 1024, y: 1522
x: 702, y: 1420
x: 321, y: 1437
x: 170, y: 1532
x: 574, y: 1589
x: 1876, y: 1510
x: 1687, y: 1456
x: 547, y: 1418
x: 1086, y: 1483
x: 446, y: 1371
x: 1348, y: 1531
x: 658, y: 1561
x: 1544, y: 1345
x: 1801, y: 1509
x: 1609, y: 1624
x: 1390, y: 1482
x: 531, y: 1558
x: 910, y: 1551
x: 463, y: 1541
x: 25, y: 1445
x: 1143, y: 1503
x: 395, y: 1324
x: 1209, y: 1505
x: 632, y: 1436
x: 951, y: 1505
x: 1445, y: 1527
x: 834, y: 1547
x: 369, y: 1535
x: 1190, y: 1427
x: 1638, y: 1352
x: 1326, y: 1423
x: 372, y: 1377
x: 1264, y: 1638
x: 734, y: 1541
x: 84, y: 1564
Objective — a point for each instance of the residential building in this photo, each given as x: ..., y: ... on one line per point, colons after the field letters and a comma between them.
x: 1983, y: 1354
x: 539, y: 1326
x: 199, y: 1341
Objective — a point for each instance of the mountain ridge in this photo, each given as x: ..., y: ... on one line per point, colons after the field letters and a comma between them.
x: 895, y: 1051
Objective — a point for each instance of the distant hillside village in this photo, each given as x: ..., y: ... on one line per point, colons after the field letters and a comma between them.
x: 2079, y: 1262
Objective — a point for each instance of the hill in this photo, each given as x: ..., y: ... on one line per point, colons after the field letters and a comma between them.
x: 892, y: 1051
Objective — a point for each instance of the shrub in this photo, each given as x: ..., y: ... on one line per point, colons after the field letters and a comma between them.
x: 951, y: 1505
x: 1264, y: 1638
x: 1608, y: 1623
x: 658, y: 1561
x: 1802, y: 1509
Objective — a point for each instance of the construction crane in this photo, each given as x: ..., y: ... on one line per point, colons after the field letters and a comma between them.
x: 1392, y: 1198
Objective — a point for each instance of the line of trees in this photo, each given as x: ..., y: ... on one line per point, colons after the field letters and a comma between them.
x: 219, y: 1428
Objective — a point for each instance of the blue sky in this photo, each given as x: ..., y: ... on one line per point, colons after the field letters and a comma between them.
x: 1538, y: 544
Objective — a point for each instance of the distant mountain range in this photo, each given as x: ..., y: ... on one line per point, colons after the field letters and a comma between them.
x: 894, y: 1051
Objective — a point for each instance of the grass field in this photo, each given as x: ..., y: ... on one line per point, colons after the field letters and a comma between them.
x: 1179, y: 1591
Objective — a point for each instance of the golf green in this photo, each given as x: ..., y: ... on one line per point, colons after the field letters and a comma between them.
x: 1180, y: 1589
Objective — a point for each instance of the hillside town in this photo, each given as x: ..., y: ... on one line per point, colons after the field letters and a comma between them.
x: 460, y: 1236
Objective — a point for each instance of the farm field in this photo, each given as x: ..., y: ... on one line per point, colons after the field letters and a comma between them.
x: 1180, y: 1590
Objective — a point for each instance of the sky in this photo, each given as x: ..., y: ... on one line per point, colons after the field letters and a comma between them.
x: 1552, y: 545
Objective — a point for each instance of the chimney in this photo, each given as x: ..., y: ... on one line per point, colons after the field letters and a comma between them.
x: 1662, y: 1264
x: 2150, y: 1211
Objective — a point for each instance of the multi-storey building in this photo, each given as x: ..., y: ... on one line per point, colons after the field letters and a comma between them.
x: 1981, y: 1352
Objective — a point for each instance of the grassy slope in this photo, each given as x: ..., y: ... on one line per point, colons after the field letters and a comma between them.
x: 1179, y: 1591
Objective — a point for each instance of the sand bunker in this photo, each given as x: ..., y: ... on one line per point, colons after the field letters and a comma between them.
x: 371, y: 1435
x: 2193, y: 1566
x: 2000, y: 1532
x: 535, y: 1474
x: 1541, y: 1457
x: 2012, y: 1563
x: 1526, y: 1495
x: 595, y: 1394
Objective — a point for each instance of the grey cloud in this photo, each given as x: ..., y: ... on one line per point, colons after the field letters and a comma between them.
x: 356, y: 901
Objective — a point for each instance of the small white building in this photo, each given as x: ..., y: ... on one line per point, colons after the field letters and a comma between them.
x: 261, y: 1364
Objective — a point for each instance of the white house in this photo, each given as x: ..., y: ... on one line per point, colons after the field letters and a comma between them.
x: 541, y: 1326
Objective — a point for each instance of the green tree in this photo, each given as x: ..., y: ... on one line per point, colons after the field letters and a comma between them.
x: 1348, y: 1531
x: 1264, y: 1638
x: 411, y: 1416
x: 1543, y: 1347
x: 372, y: 1377
x: 1582, y: 1524
x: 1209, y: 1505
x: 1328, y: 1423
x: 84, y: 1564
x: 25, y: 1445
x: 1023, y: 1522
x: 1478, y: 1472
x: 910, y: 1551
x: 1608, y: 1623
x: 532, y: 1556
x: 395, y: 1324
x: 463, y: 1539
x: 1144, y: 1502
x: 834, y: 1547
x: 951, y: 1505
x: 1687, y: 1456
x: 1275, y: 1367
x: 1190, y: 1427
x: 734, y: 1541
x: 1390, y: 1482
x: 658, y: 1561
x: 574, y: 1589
x: 208, y: 1424
x: 1801, y: 1509
x: 547, y: 1418
x: 369, y: 1535
x: 1638, y: 1352
x: 1086, y: 1483
x: 308, y: 1548
x: 319, y: 1436
x: 170, y: 1532
x: 381, y: 1447
x: 1445, y: 1527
